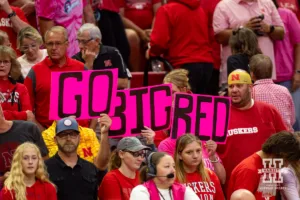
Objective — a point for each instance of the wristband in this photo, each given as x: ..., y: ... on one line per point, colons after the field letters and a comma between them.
x: 12, y: 14
x: 215, y: 161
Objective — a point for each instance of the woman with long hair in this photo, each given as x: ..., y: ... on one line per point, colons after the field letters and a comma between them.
x: 291, y: 180
x: 190, y: 169
x: 28, y: 177
x: 244, y: 45
x: 158, y: 179
x: 14, y: 96
x: 123, y: 173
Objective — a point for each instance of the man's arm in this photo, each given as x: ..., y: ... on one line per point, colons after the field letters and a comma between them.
x: 101, y: 161
x: 129, y: 24
x: 296, y: 78
x: 45, y: 24
x: 27, y: 6
x: 88, y: 14
x: 223, y: 36
x: 18, y: 20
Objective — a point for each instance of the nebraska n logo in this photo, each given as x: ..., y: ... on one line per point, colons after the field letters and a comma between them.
x: 235, y: 77
x: 271, y: 171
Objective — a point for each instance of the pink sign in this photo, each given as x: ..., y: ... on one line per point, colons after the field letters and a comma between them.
x: 136, y: 108
x: 201, y: 115
x: 84, y: 94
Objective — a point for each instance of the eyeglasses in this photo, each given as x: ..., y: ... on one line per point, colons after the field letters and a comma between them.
x: 64, y: 135
x: 26, y: 48
x: 137, y: 154
x: 5, y: 62
x: 84, y: 42
x: 58, y: 44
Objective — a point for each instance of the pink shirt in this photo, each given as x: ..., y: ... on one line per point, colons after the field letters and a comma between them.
x: 267, y: 91
x: 284, y: 49
x: 230, y: 14
x: 168, y: 145
x: 66, y: 13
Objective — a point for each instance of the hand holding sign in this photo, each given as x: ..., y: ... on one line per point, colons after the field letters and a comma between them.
x: 104, y: 123
x: 149, y: 134
x: 202, y: 115
x: 211, y: 147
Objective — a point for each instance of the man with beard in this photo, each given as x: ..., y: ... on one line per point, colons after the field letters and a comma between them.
x: 251, y: 123
x: 74, y: 177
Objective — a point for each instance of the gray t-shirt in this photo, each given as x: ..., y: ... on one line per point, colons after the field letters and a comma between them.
x: 20, y: 132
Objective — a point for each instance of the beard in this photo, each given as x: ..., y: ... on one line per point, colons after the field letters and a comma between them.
x: 68, y: 147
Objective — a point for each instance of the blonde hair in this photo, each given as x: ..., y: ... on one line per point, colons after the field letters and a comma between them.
x: 114, y: 161
x: 15, y: 69
x: 30, y: 33
x: 178, y: 77
x: 181, y: 143
x: 3, y: 37
x: 15, y: 180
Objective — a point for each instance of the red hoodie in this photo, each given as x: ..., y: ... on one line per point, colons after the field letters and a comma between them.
x: 15, y: 100
x: 180, y: 33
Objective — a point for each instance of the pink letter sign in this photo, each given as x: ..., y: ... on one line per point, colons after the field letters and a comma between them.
x: 84, y: 94
x: 136, y: 108
x: 202, y: 115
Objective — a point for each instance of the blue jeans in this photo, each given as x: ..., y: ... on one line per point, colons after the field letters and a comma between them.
x: 296, y: 99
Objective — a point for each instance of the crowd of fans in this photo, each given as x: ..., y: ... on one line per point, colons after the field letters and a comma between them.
x: 248, y: 50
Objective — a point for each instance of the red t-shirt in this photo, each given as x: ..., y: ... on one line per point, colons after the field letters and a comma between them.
x: 15, y: 100
x: 111, y: 5
x: 117, y: 186
x: 205, y: 190
x: 246, y: 176
x: 290, y: 4
x: 160, y: 136
x: 38, y: 83
x: 6, y: 25
x: 139, y: 12
x: 39, y: 190
x: 209, y: 8
x: 247, y: 131
x: 180, y: 33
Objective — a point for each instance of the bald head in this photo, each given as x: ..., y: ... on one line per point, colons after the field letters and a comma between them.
x: 242, y: 194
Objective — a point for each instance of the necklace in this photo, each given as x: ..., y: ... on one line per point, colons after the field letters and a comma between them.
x: 163, y: 196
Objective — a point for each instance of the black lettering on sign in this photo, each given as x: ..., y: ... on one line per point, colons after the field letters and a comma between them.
x: 93, y: 76
x: 182, y: 113
x: 152, y: 108
x: 200, y: 115
x: 119, y: 112
x: 78, y: 98
x: 139, y: 109
x: 227, y: 105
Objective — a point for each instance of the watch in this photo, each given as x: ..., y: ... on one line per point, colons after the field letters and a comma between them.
x: 272, y: 29
x: 12, y: 14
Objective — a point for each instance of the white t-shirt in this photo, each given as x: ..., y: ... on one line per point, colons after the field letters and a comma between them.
x: 141, y: 192
x: 26, y: 66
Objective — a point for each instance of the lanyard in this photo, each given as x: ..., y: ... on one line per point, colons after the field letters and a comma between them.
x: 163, y: 196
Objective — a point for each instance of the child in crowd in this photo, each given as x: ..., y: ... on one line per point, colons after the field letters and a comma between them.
x: 190, y: 169
x: 28, y: 177
x: 158, y: 181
